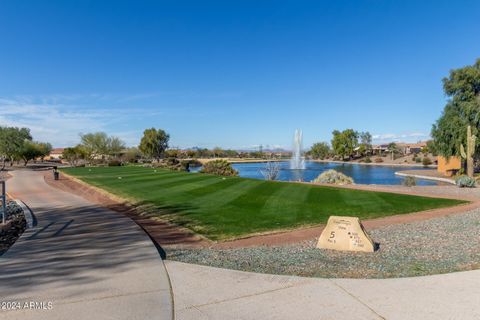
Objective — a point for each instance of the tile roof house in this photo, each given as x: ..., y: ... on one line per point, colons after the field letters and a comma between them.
x: 55, y: 154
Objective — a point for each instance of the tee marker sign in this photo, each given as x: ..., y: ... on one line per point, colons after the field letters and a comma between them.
x: 345, y: 234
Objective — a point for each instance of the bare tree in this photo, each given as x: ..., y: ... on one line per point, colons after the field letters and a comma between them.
x: 271, y: 171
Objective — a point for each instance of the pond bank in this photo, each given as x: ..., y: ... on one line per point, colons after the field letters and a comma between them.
x: 426, y: 175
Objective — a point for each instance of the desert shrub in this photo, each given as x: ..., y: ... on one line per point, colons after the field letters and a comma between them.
x: 426, y: 161
x: 378, y: 160
x: 171, y: 161
x: 465, y: 182
x: 114, y: 163
x: 418, y: 159
x: 333, y: 177
x: 193, y: 162
x: 184, y: 165
x: 368, y: 160
x: 219, y: 167
x: 271, y: 171
x: 174, y: 164
x: 410, y: 181
x: 13, y: 208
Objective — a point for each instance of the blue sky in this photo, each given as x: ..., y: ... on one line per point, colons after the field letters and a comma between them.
x: 230, y: 73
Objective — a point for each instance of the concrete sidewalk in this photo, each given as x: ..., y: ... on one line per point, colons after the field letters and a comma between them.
x: 211, y: 293
x: 88, y: 262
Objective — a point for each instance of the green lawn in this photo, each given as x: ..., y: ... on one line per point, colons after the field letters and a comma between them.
x: 224, y: 208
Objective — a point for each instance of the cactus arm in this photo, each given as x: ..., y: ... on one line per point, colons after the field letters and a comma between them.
x: 462, y: 152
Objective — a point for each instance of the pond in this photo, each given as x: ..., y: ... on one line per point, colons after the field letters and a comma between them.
x: 361, y: 174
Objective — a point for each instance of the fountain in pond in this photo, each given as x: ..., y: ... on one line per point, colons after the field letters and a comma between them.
x: 297, y: 162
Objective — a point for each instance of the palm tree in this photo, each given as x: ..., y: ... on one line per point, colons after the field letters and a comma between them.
x: 393, y: 149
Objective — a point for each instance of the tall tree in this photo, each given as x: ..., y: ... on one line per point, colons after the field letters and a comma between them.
x: 462, y: 86
x: 217, y: 152
x: 115, y: 146
x: 320, y: 150
x: 393, y: 149
x: 100, y: 145
x: 11, y: 142
x: 345, y: 142
x: 74, y: 154
x: 365, y: 142
x: 154, y: 143
x: 95, y: 144
x: 30, y: 150
x: 44, y: 149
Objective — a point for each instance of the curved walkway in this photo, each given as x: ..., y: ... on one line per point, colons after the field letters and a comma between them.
x: 210, y: 293
x: 88, y: 261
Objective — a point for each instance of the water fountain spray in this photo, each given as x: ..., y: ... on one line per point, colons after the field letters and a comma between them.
x: 297, y: 162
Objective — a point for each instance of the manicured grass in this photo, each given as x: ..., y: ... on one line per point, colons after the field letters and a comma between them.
x: 229, y: 207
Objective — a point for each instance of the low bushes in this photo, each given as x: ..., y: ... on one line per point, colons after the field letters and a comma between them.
x: 174, y: 164
x: 426, y: 161
x: 410, y: 181
x: 193, y: 163
x: 333, y: 177
x: 219, y: 167
x: 114, y: 163
x: 378, y: 160
x: 465, y: 182
x: 368, y: 160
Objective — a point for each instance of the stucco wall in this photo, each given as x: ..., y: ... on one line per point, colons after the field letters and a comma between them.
x: 445, y: 166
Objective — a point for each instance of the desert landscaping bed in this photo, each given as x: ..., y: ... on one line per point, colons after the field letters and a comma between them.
x: 13, y: 228
x: 434, y: 246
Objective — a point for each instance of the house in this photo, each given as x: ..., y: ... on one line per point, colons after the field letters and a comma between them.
x: 379, y: 149
x: 55, y: 154
x: 415, y: 147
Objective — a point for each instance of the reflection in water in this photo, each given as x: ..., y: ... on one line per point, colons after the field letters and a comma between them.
x: 361, y: 174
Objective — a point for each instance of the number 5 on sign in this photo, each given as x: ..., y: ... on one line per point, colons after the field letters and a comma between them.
x: 345, y: 234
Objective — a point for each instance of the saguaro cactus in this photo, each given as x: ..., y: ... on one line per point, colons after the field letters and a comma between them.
x: 468, y: 155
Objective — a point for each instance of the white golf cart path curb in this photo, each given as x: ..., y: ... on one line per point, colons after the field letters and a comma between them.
x: 26, y: 212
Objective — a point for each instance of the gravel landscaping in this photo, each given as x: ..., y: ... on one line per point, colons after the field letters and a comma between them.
x: 433, y: 246
x: 13, y: 228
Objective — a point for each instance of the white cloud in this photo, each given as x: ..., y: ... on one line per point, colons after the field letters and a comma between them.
x: 59, y: 119
x: 402, y: 137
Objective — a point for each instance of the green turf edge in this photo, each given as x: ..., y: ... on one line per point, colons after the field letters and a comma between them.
x: 216, y: 235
